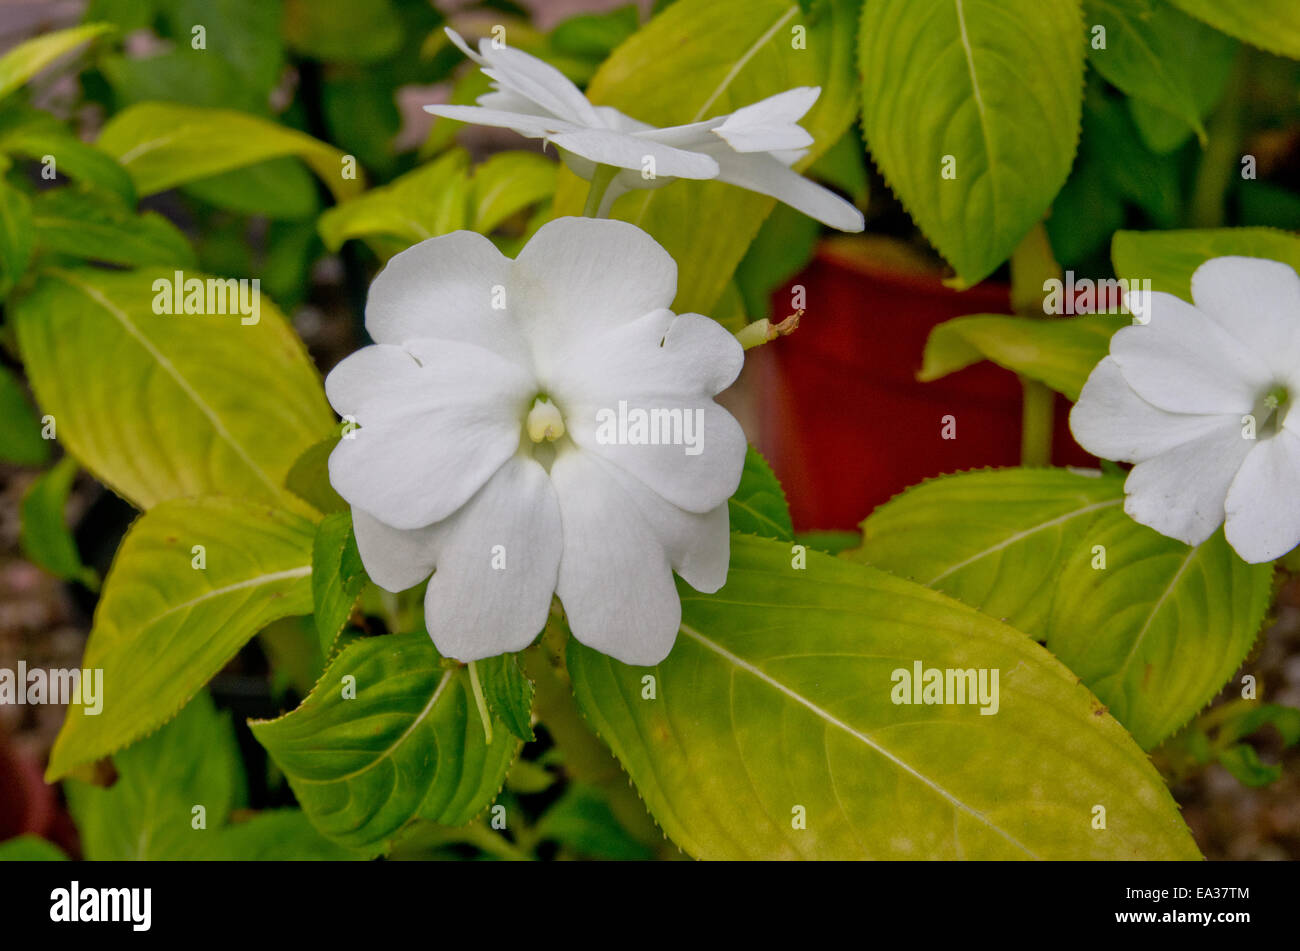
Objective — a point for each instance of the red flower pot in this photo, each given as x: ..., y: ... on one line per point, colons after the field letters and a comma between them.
x: 842, y: 417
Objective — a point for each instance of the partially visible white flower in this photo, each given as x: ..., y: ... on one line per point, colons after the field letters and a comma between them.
x: 752, y: 147
x: 1202, y: 398
x: 480, y: 452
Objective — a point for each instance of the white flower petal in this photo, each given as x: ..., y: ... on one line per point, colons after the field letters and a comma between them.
x: 1111, y: 421
x: 762, y: 173
x: 615, y: 579
x: 445, y: 287
x: 659, y: 355
x: 621, y: 150
x: 1182, y: 361
x: 1257, y: 301
x: 431, y: 432
x: 1263, y: 506
x: 698, y: 480
x: 535, y: 79
x: 580, y: 276
x: 394, y: 558
x: 1180, y: 493
x: 473, y: 608
x: 772, y: 123
x: 531, y: 125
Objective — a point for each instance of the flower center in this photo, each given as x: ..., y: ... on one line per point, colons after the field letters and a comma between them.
x: 544, y: 421
x: 1272, y: 409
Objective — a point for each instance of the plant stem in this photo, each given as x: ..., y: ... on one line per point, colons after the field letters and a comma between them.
x: 482, y: 705
x: 601, y: 179
x: 1032, y: 263
x: 1221, y: 155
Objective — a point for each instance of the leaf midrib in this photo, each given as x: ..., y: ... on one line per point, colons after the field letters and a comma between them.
x: 834, y: 721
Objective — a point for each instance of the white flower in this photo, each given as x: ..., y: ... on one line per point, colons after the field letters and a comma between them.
x: 1202, y: 398
x: 752, y: 147
x: 480, y: 449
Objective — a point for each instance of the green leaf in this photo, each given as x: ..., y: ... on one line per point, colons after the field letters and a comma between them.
x: 993, y: 84
x: 1154, y: 633
x: 1111, y: 142
x: 30, y: 848
x: 39, y: 136
x: 349, y: 31
x: 96, y: 226
x: 173, y: 614
x: 508, y: 693
x: 582, y: 822
x: 703, y: 58
x: 1163, y: 58
x: 1057, y: 351
x: 15, y: 236
x: 337, y: 577
x: 595, y: 35
x: 399, y: 738
x: 279, y: 835
x: 777, y: 695
x: 45, y: 538
x: 20, y: 437
x: 1169, y: 258
x: 1272, y: 25
x: 162, y: 406
x: 758, y: 505
x: 148, y: 812
x: 27, y: 59
x: 164, y: 145
x: 309, y: 477
x: 429, y: 201
x: 782, y: 248
x: 506, y: 184
x: 278, y: 188
x: 1243, y: 762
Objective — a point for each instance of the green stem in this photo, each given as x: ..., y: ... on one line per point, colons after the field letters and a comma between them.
x: 1032, y: 263
x: 1221, y: 157
x: 601, y: 179
x: 479, y: 701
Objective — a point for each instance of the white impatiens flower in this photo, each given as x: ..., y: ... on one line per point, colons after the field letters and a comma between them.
x: 752, y: 147
x: 1202, y: 398
x: 537, y: 426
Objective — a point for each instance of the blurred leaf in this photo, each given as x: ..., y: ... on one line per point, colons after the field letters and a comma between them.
x: 704, y: 58
x: 388, y: 734
x: 30, y: 848
x: 277, y: 188
x: 45, y: 537
x: 15, y: 236
x: 1244, y: 763
x: 363, y: 119
x: 429, y: 201
x: 508, y: 693
x: 595, y: 35
x: 1154, y: 627
x: 20, y: 436
x: 164, y: 145
x: 358, y: 31
x: 309, y: 478
x: 337, y: 577
x: 1163, y: 58
x: 1111, y: 142
x: 28, y: 58
x: 506, y: 184
x: 776, y: 704
x: 243, y: 34
x: 581, y: 821
x: 148, y: 812
x: 1085, y: 214
x: 1169, y: 258
x: 1007, y: 117
x: 280, y: 835
x: 37, y: 135
x: 758, y: 505
x: 164, y: 625
x: 292, y: 248
x: 845, y: 166
x: 1058, y: 351
x: 161, y: 406
x: 126, y: 15
x: 1272, y: 25
x: 96, y: 226
x: 783, y: 247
